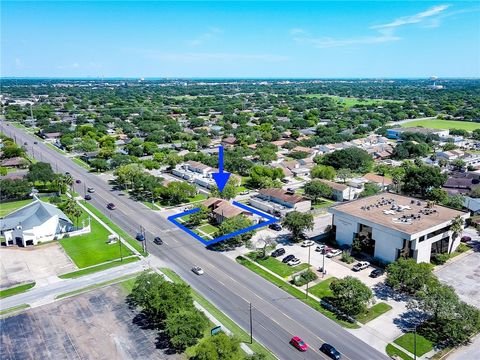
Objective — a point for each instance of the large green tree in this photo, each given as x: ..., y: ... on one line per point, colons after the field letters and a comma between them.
x: 316, y: 189
x: 408, y: 276
x: 218, y: 347
x: 323, y: 172
x: 350, y: 295
x: 297, y: 223
x: 41, y: 172
x: 185, y: 327
x: 353, y: 158
x: 418, y: 179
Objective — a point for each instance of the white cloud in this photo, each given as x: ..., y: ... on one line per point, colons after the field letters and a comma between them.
x: 204, y: 37
x: 385, y: 32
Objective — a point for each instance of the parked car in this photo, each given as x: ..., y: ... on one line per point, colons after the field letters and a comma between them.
x: 334, y: 252
x: 275, y: 226
x: 198, y: 270
x: 244, y: 192
x: 35, y: 142
x: 78, y: 181
x: 319, y: 248
x: 376, y: 273
x: 278, y: 252
x: 361, y: 265
x: 157, y: 241
x: 140, y: 237
x: 287, y: 258
x: 299, y: 343
x: 307, y: 243
x: 466, y: 239
x: 294, y: 262
x: 91, y: 190
x: 88, y: 197
x: 25, y: 143
x: 290, y: 191
x: 330, y: 351
x: 111, y: 206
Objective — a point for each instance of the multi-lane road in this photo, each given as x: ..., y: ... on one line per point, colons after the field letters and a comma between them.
x: 229, y: 286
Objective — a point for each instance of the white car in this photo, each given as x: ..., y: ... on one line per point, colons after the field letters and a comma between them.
x: 333, y: 253
x: 198, y: 270
x: 294, y: 262
x: 307, y: 243
x: 361, y: 265
x: 320, y: 248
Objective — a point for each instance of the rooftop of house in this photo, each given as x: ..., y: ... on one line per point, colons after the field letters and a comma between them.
x: 15, y: 161
x: 334, y: 185
x: 401, y: 213
x: 223, y: 208
x: 282, y: 195
x: 197, y: 165
x: 378, y: 179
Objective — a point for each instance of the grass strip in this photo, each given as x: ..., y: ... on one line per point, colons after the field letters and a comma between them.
x: 14, y: 309
x: 407, y: 341
x: 224, y: 319
x: 16, y: 290
x: 53, y: 147
x: 81, y: 163
x: 96, y: 286
x: 101, y: 267
x: 115, y: 228
x: 277, y: 266
x: 393, y: 351
x: 374, y: 312
x: 295, y: 292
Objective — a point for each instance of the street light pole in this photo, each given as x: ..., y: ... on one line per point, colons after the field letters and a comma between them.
x: 415, y: 342
x: 251, y: 325
x: 323, y: 266
x: 309, y: 249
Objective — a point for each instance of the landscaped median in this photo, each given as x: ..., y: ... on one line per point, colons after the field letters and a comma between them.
x: 16, y: 290
x: 13, y: 310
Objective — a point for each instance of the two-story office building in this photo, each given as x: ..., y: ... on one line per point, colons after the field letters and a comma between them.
x: 390, y: 226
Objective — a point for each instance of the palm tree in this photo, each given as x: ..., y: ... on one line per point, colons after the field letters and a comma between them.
x: 456, y: 228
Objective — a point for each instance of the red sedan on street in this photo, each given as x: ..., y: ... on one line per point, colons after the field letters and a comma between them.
x: 299, y: 343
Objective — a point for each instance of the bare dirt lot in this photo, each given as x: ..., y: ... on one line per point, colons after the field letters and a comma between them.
x: 34, y: 263
x: 96, y: 325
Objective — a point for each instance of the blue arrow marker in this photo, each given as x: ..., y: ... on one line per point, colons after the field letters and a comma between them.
x: 221, y: 177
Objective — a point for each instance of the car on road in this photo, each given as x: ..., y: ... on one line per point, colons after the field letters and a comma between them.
x: 334, y: 252
x: 276, y: 227
x: 330, y: 351
x: 157, y: 240
x: 140, y: 237
x: 298, y: 343
x: 361, y: 265
x: 35, y: 142
x: 25, y: 143
x: 307, y: 243
x: 111, y: 206
x: 466, y: 239
x: 198, y: 270
x: 91, y: 190
x: 278, y: 252
x: 376, y: 273
x: 67, y: 173
x: 78, y: 181
x: 287, y: 258
x: 294, y: 262
x: 88, y: 197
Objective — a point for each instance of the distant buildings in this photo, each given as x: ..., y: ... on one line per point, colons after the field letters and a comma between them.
x: 397, y: 132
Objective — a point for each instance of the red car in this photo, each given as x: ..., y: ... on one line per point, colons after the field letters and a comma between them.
x: 299, y: 343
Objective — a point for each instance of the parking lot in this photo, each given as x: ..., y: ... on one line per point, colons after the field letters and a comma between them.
x: 40, y: 263
x: 96, y: 325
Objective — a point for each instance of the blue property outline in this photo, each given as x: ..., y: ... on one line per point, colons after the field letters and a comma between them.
x: 270, y: 220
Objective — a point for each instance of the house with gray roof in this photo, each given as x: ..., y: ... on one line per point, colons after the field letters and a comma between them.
x: 36, y: 222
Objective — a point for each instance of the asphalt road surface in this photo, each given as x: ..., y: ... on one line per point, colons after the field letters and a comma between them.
x: 231, y: 287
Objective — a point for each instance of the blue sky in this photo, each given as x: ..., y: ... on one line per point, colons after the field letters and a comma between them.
x: 240, y: 39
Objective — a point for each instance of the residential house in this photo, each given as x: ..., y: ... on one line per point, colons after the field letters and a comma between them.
x: 341, y: 192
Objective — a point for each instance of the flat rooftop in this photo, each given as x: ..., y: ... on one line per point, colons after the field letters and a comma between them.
x: 402, y: 213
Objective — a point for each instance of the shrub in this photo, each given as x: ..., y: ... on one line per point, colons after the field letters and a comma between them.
x: 440, y: 259
x: 304, y: 277
x: 347, y: 258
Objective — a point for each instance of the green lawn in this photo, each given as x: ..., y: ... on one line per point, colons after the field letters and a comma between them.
x: 444, y: 124
x: 8, y: 207
x: 322, y: 203
x: 198, y: 197
x: 209, y: 229
x: 101, y: 267
x: 150, y: 205
x: 53, y: 147
x: 392, y: 350
x: 134, y: 243
x: 322, y: 289
x: 16, y: 290
x: 14, y: 309
x: 374, y: 312
x: 277, y: 266
x: 81, y: 163
x: 224, y: 319
x: 296, y: 293
x: 351, y: 101
x: 240, y: 189
x: 406, y: 341
x: 92, y: 248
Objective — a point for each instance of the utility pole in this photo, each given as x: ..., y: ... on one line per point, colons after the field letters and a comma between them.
x: 309, y: 249
x: 120, y: 247
x: 415, y: 342
x: 323, y: 265
x: 251, y: 325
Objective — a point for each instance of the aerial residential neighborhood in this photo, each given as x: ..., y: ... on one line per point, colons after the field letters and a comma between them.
x: 240, y: 180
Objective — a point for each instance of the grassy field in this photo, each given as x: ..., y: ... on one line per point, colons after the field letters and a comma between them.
x: 296, y: 293
x: 322, y: 203
x: 322, y: 289
x: 224, y: 319
x: 374, y: 312
x: 101, y: 267
x: 134, y: 243
x: 351, y: 101
x: 406, y: 341
x: 392, y: 350
x: 444, y: 124
x: 14, y: 309
x: 16, y: 290
x: 8, y: 207
x: 209, y: 229
x: 278, y: 267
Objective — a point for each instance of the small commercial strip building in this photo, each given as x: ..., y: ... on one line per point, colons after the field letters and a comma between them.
x: 390, y: 226
x: 279, y: 202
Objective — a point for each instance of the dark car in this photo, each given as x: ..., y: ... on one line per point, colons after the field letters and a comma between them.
x: 111, y: 206
x: 376, y: 273
x: 35, y: 142
x: 158, y: 241
x: 140, y: 237
x: 330, y: 351
x: 25, y: 143
x: 78, y: 181
x: 276, y: 227
x: 466, y: 239
x: 88, y: 197
x: 67, y: 173
x: 287, y: 258
x: 278, y: 252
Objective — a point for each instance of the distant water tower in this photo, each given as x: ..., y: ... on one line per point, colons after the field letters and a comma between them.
x: 434, y: 85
